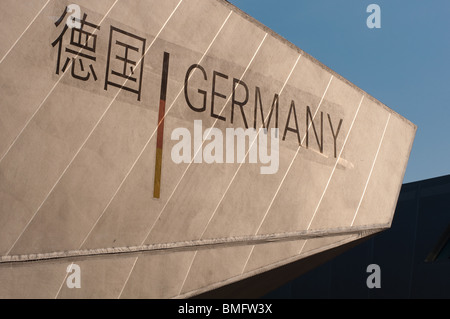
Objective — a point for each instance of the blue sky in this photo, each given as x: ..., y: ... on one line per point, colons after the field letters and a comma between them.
x: 405, y: 64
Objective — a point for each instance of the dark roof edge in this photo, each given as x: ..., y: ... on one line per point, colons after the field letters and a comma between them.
x: 437, y: 179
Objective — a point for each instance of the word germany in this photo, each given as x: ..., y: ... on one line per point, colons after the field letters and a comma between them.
x: 240, y: 88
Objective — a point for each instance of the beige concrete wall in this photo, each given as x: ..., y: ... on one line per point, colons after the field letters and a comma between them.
x: 77, y: 162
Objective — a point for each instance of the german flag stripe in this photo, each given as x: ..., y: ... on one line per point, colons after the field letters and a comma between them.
x: 160, y: 134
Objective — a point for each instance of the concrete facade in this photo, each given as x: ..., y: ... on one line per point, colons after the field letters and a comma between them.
x: 80, y: 146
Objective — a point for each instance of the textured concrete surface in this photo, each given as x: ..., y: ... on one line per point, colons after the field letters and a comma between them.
x: 77, y: 151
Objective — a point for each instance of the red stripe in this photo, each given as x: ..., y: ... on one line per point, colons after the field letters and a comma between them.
x: 162, y: 112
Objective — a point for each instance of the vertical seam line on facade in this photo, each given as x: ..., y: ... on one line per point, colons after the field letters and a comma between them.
x: 295, y: 156
x: 64, y: 280
x: 335, y: 165
x: 371, y: 170
x: 223, y: 108
x: 185, y: 171
x: 148, y: 141
x: 142, y: 151
x: 332, y: 173
x: 176, y: 98
x: 246, y: 154
x: 51, y: 190
x: 112, y: 101
x: 48, y: 94
x: 287, y: 171
x: 23, y: 33
x: 188, y: 272
x: 128, y: 277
